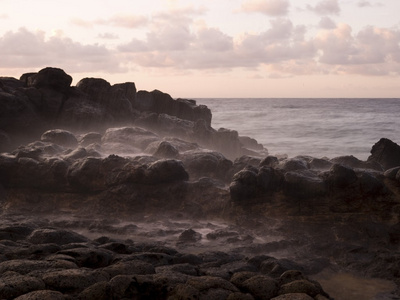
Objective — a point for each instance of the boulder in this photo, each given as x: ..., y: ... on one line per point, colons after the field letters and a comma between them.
x: 53, y: 78
x: 386, y: 153
x: 168, y: 170
x: 189, y: 236
x: 166, y: 150
x: 43, y: 295
x: 14, y: 286
x: 244, y: 185
x: 261, y: 287
x: 304, y: 184
x: 340, y: 176
x: 60, y: 137
x: 56, y: 236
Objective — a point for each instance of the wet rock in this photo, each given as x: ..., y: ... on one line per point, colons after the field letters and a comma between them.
x: 184, y: 291
x: 186, y: 268
x: 14, y: 286
x: 43, y: 295
x: 320, y: 164
x: 293, y: 296
x: 56, y: 236
x: 304, y: 184
x: 99, y: 291
x: 141, y: 287
x: 240, y: 296
x: 301, y: 286
x: 208, y: 282
x: 133, y: 267
x: 290, y: 275
x: 189, y: 236
x: 90, y: 138
x: 207, y: 164
x: 127, y: 139
x: 269, y: 161
x: 340, y: 176
x: 244, y: 185
x: 295, y: 164
x: 60, y: 137
x: 386, y: 153
x: 73, y: 280
x: 15, y: 232
x: 269, y: 180
x: 261, y: 287
x: 167, y: 170
x: 85, y: 175
x: 166, y: 150
x: 353, y: 162
x: 25, y: 266
x: 90, y: 257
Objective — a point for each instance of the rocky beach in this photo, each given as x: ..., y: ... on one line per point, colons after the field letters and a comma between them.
x: 107, y: 192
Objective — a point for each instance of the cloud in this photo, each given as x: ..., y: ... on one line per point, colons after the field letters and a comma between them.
x: 119, y: 20
x: 372, y: 51
x: 326, y: 7
x: 26, y: 49
x: 267, y: 7
x: 327, y: 23
x: 108, y: 36
x: 364, y: 3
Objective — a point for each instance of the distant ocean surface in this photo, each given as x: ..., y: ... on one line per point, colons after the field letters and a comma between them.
x: 315, y: 127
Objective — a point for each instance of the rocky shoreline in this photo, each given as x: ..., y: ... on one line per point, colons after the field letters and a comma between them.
x: 110, y: 193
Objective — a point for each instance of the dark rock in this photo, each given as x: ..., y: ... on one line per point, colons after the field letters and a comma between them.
x: 127, y: 139
x: 386, y: 153
x: 90, y: 138
x: 187, y: 269
x: 166, y: 150
x: 392, y: 173
x: 163, y: 171
x: 261, y: 287
x: 189, y: 236
x: 250, y: 143
x: 340, y: 176
x: 49, y: 78
x: 162, y: 103
x: 90, y: 257
x: 295, y: 164
x: 60, y: 137
x: 293, y: 296
x: 73, y: 280
x: 85, y: 175
x: 56, y: 236
x: 208, y: 282
x: 301, y: 286
x: 43, y: 295
x: 115, y: 99
x: 15, y: 232
x: 290, y: 275
x: 320, y: 164
x: 304, y: 184
x: 133, y: 267
x: 100, y: 291
x: 14, y: 286
x: 25, y: 266
x: 353, y: 162
x: 269, y: 180
x: 243, y: 186
x: 269, y: 161
x: 207, y: 164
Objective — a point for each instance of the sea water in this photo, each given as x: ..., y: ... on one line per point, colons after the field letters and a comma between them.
x: 315, y: 127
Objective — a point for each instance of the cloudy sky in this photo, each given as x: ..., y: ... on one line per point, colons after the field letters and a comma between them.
x: 211, y: 48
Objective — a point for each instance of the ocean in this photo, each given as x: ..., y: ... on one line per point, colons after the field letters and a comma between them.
x: 314, y: 127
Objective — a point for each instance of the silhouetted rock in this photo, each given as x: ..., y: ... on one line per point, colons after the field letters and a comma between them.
x: 53, y: 78
x: 162, y: 103
x: 386, y: 153
x: 304, y: 184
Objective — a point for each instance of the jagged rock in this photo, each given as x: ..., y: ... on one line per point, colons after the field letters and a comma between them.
x: 386, y: 153
x: 115, y: 99
x: 162, y: 103
x: 60, y: 137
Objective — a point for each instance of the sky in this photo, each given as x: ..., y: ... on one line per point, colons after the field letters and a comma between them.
x: 211, y: 48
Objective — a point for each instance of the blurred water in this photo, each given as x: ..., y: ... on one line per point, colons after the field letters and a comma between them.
x: 315, y: 127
